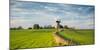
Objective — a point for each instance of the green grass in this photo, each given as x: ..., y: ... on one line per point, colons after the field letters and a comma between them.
x: 31, y: 39
x: 43, y: 38
x: 83, y: 37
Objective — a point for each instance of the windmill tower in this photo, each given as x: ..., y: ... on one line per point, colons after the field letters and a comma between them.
x: 57, y: 24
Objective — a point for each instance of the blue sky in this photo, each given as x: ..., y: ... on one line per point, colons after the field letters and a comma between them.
x: 25, y: 14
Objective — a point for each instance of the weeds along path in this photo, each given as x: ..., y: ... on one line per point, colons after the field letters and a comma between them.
x: 61, y: 41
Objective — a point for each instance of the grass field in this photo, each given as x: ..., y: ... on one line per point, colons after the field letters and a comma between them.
x: 31, y: 38
x: 43, y: 38
x: 82, y: 37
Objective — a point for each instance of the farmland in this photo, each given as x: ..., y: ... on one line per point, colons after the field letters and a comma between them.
x: 82, y: 37
x: 31, y: 38
x: 43, y: 37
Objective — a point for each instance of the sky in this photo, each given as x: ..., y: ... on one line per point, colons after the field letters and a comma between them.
x: 26, y: 14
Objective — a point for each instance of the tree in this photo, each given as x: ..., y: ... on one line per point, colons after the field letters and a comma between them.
x: 36, y: 26
x: 30, y: 28
x: 13, y: 28
x: 45, y: 27
x: 41, y: 27
x: 20, y: 27
x: 61, y: 26
x: 66, y: 27
x: 48, y: 27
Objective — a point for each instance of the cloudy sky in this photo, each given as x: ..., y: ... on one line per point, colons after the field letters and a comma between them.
x: 25, y: 14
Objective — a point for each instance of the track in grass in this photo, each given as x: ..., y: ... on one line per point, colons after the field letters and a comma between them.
x: 44, y: 38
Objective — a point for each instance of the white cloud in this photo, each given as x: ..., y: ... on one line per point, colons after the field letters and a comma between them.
x: 71, y: 15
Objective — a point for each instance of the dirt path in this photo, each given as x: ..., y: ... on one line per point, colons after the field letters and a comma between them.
x: 61, y: 41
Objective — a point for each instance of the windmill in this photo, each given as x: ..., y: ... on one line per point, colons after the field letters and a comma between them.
x: 57, y: 23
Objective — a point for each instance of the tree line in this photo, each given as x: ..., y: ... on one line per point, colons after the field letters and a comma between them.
x: 37, y: 26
